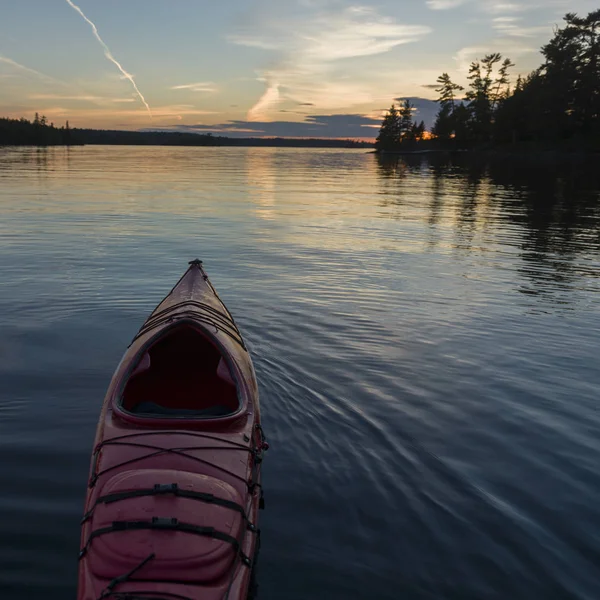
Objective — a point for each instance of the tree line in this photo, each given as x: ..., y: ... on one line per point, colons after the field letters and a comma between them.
x: 39, y: 132
x: 557, y: 104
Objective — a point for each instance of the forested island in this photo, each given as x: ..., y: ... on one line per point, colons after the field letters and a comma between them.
x: 556, y: 106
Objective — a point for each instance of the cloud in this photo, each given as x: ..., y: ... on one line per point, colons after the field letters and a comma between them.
x: 425, y: 109
x: 24, y: 69
x: 496, y: 7
x: 501, y: 7
x: 330, y: 36
x: 179, y: 110
x: 520, y: 27
x: 510, y: 26
x: 203, y: 86
x: 313, y: 50
x: 465, y: 56
x: 444, y: 4
x: 347, y: 126
x: 80, y: 98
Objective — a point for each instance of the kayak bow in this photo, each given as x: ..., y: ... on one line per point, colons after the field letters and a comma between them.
x: 174, y: 488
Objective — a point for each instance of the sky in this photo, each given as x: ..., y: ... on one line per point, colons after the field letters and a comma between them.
x: 301, y: 68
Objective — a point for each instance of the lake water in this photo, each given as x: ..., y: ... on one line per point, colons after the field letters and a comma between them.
x: 426, y: 337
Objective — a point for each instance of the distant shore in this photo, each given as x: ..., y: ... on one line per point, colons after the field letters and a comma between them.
x: 39, y: 132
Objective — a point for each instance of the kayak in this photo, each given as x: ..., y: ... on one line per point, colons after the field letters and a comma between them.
x: 174, y: 487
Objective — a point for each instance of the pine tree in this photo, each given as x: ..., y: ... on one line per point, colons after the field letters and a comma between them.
x: 519, y: 84
x: 389, y: 133
x: 447, y: 91
x: 501, y: 90
x: 461, y: 119
x: 406, y: 120
x: 486, y: 92
x: 67, y: 134
x: 444, y: 127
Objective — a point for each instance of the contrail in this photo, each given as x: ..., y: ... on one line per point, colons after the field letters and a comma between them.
x: 110, y: 56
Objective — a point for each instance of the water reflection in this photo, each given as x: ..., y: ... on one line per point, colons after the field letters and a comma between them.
x: 550, y: 211
x: 260, y: 176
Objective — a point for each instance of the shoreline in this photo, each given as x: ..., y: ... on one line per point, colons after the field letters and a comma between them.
x: 498, y: 152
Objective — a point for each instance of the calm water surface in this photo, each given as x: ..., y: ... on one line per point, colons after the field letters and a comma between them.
x: 426, y: 338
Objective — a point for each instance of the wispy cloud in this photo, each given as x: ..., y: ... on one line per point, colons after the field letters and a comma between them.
x: 24, y: 69
x: 444, y: 4
x: 204, y: 87
x: 106, y: 116
x: 81, y: 98
x: 313, y: 50
x: 465, y: 56
x: 500, y: 7
x: 323, y: 126
x: 512, y: 26
x: 109, y: 55
x: 516, y: 24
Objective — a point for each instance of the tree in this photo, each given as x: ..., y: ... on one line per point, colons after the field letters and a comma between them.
x: 485, y: 93
x: 519, y: 84
x: 447, y: 91
x: 444, y: 127
x: 511, y: 119
x: 399, y: 128
x: 389, y: 132
x: 419, y: 131
x: 461, y: 119
x: 67, y: 134
x: 572, y: 76
x: 561, y: 99
x: 478, y: 95
x: 415, y: 134
x: 501, y: 89
x: 406, y: 120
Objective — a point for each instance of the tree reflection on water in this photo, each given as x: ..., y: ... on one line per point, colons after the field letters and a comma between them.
x: 550, y: 207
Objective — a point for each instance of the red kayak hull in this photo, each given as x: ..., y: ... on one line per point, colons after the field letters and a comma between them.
x: 174, y: 487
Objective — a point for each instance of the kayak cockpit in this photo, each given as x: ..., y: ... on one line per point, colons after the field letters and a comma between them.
x: 181, y: 375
